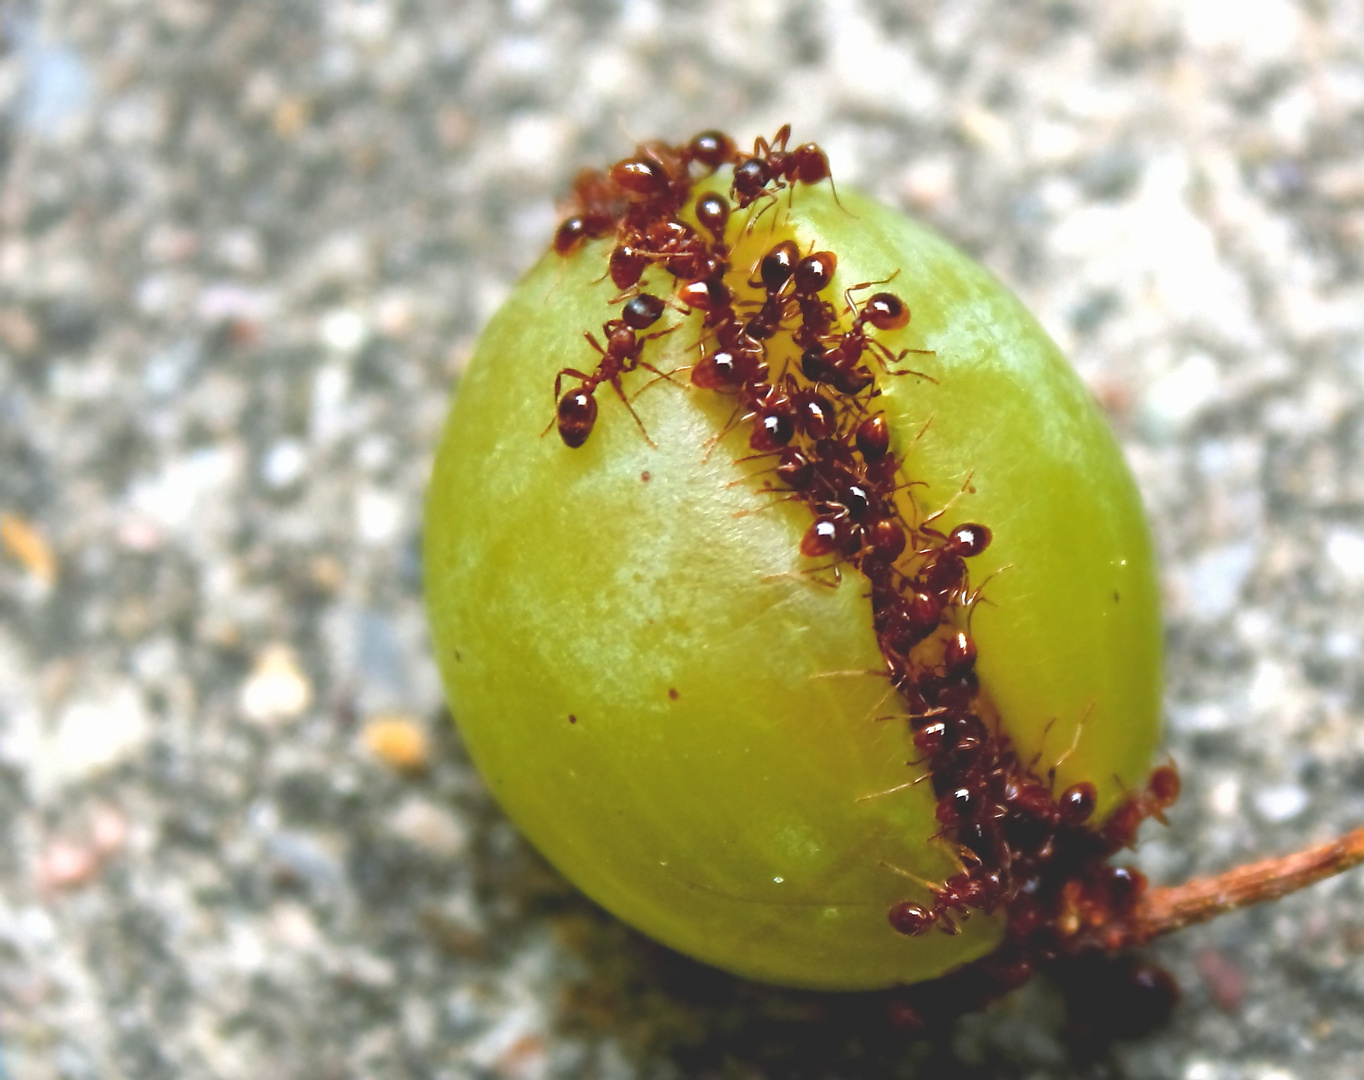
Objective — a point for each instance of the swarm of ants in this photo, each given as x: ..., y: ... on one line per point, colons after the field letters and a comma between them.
x: 1026, y: 851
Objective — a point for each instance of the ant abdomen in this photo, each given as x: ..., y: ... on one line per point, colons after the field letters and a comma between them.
x: 626, y: 266
x: 577, y: 414
x: 885, y: 311
x: 712, y: 149
x: 816, y: 415
x: 911, y: 919
x: 873, y: 437
x: 967, y: 541
x: 712, y: 211
x: 642, y: 311
x: 824, y: 537
x: 771, y: 431
x: 777, y: 266
x: 640, y: 178
x: 814, y: 273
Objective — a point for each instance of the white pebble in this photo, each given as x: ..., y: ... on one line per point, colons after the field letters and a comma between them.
x: 1210, y: 585
x: 1224, y: 799
x: 379, y: 517
x: 277, y: 688
x: 343, y: 330
x: 95, y: 734
x: 1181, y: 394
x: 1345, y: 550
x: 285, y: 464
x: 1281, y: 803
x: 429, y: 828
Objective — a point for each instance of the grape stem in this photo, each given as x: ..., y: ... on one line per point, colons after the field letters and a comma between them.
x: 1173, y: 907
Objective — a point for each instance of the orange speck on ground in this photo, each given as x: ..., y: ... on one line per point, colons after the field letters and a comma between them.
x: 26, y: 544
x: 399, y: 742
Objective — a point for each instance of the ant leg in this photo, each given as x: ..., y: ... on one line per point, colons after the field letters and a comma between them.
x: 839, y: 202
x: 783, y: 496
x: 659, y: 376
x: 917, y: 352
x: 620, y: 393
x: 734, y: 421
x: 881, y: 701
x: 1042, y: 747
x: 851, y: 673
x: 889, y: 791
x: 885, y: 359
x: 899, y: 872
x: 974, y: 596
x: 588, y: 381
x: 658, y: 333
x: 1074, y: 742
x: 808, y: 574
x: 847, y: 293
x: 965, y: 487
x: 769, y: 201
x: 834, y: 566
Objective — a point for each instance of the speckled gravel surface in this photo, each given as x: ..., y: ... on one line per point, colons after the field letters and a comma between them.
x: 244, y: 251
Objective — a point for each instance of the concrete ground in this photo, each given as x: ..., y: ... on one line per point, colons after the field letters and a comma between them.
x: 244, y: 251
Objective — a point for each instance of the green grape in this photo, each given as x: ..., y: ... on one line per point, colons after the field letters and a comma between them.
x: 691, y: 719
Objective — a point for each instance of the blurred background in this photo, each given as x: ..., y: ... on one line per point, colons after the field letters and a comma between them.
x: 245, y: 249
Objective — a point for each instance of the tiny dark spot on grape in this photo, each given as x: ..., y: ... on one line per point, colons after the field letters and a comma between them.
x: 645, y: 476
x: 672, y: 693
x: 572, y: 719
x: 1116, y: 596
x: 458, y: 658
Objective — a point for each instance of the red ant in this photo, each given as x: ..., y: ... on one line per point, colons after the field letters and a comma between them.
x: 729, y: 367
x: 772, y: 163
x: 599, y: 204
x: 943, y: 572
x: 656, y: 181
x: 880, y: 311
x: 1160, y: 793
x: 775, y: 270
x: 576, y: 413
x: 680, y: 250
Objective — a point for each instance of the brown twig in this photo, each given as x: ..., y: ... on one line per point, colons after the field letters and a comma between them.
x: 1174, y: 907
